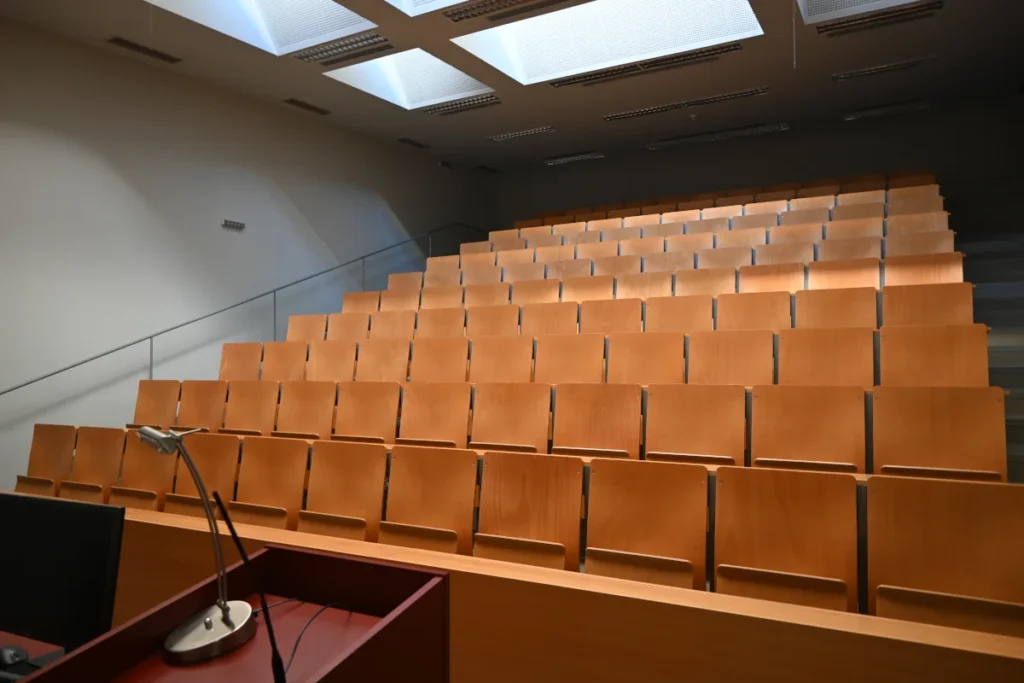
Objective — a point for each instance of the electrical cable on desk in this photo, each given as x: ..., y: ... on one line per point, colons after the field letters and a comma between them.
x: 273, y: 605
x: 298, y: 640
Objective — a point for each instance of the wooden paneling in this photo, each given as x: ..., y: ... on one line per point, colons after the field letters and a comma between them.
x: 934, y: 356
x: 828, y: 357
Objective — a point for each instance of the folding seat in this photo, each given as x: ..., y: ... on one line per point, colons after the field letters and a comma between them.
x: 404, y: 282
x: 832, y: 308
x: 507, y: 258
x: 726, y: 257
x: 624, y: 213
x: 550, y: 318
x: 749, y: 237
x: 528, y: 223
x: 643, y: 285
x: 669, y: 262
x: 683, y: 314
x: 666, y: 229
x: 942, y: 432
x: 647, y: 521
x: 558, y: 220
x: 855, y: 198
x: 787, y: 536
x: 383, y: 360
x: 216, y: 459
x: 487, y: 295
x: 597, y: 250
x: 401, y: 300
x: 492, y: 320
x: 926, y: 269
x: 592, y: 288
x: 724, y: 211
x: 474, y: 248
x: 646, y: 358
x: 780, y: 277
x: 441, y: 322
x: 616, y: 266
x: 435, y: 414
x: 271, y: 479
x: 240, y: 361
x: 538, y: 524
x: 348, y: 326
x: 591, y: 216
x: 649, y: 215
x: 346, y: 490
x: 857, y: 248
x: 603, y: 317
x: 697, y: 424
x: 754, y: 222
x: 707, y: 225
x: 569, y: 358
x: 306, y: 410
x: 823, y: 190
x: 469, y: 261
x: 695, y: 204
x: 535, y: 231
x: 536, y: 292
x: 602, y: 224
x: 543, y: 241
x: 504, y: 234
x: 911, y: 205
x: 864, y: 189
x: 912, y: 244
x: 917, y: 222
x: 934, y: 355
x: 942, y: 304
x: 778, y: 254
x: 576, y: 268
x: 508, y: 245
x: 597, y: 420
x: 367, y: 412
x: 97, y: 465
x: 392, y: 325
x: 758, y: 311
x: 713, y: 281
x: 156, y: 403
x: 580, y: 238
x: 804, y: 216
x: 642, y: 246
x: 49, y: 460
x: 483, y: 275
x: 511, y: 417
x: 523, y: 272
x: 443, y: 277
x: 844, y: 274
x: 203, y: 403
x: 736, y: 357
x: 360, y: 302
x: 441, y: 297
x: 284, y: 361
x: 569, y: 228
x: 690, y: 243
x: 914, y: 182
x: 431, y: 495
x: 928, y: 562
x: 811, y: 202
x: 854, y: 229
x: 444, y: 359
x: 147, y: 476
x: 307, y: 328
x: 800, y: 233
x: 763, y: 207
x: 251, y: 409
x: 735, y: 200
x: 848, y: 212
x: 331, y: 361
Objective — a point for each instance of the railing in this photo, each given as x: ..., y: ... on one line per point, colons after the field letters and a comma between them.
x: 427, y: 236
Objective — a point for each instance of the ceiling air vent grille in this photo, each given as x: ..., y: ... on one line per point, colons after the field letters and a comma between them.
x: 874, y: 20
x: 522, y: 134
x: 126, y: 44
x: 649, y: 111
x: 885, y: 69
x: 413, y: 143
x: 640, y: 68
x: 346, y: 49
x: 497, y: 10
x: 570, y: 158
x: 459, y: 106
x: 306, y: 106
x: 720, y: 135
x: 886, y: 110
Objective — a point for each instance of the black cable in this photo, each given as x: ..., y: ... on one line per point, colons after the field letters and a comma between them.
x: 273, y: 605
x: 276, y: 664
x: 298, y: 640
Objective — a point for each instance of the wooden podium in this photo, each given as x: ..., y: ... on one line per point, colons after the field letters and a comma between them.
x: 387, y: 622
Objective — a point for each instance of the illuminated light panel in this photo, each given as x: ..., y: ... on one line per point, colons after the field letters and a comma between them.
x: 816, y: 11
x: 608, y: 33
x: 414, y: 8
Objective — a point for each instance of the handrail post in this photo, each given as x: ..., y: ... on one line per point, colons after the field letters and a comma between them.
x: 430, y: 245
x: 151, y: 357
x: 275, y: 315
x: 363, y: 261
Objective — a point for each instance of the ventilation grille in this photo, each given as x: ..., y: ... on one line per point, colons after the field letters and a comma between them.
x: 143, y: 50
x: 885, y: 69
x: 459, y: 106
x: 338, y: 51
x: 522, y: 134
x: 306, y: 106
x: 874, y: 20
x: 414, y: 143
x: 718, y: 136
x: 640, y: 68
x: 887, y: 110
x: 649, y: 111
x: 570, y: 158
x: 497, y: 10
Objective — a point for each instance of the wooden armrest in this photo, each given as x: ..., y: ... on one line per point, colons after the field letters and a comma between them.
x: 260, y: 515
x: 514, y: 447
x: 242, y: 432
x: 666, y: 571
x: 357, y: 439
x: 767, y: 584
x: 138, y: 499
x: 423, y: 537
x: 946, y: 609
x: 940, y: 473
x: 191, y: 506
x: 76, y: 490
x: 695, y: 458
x: 35, y: 486
x: 326, y: 524
x: 817, y: 465
x: 435, y: 443
x: 295, y: 435
x: 521, y: 550
x: 588, y: 453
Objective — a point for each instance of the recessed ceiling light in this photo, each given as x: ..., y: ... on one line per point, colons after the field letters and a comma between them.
x: 816, y: 11
x: 522, y: 134
x: 570, y: 158
x: 412, y: 79
x: 718, y: 136
x: 414, y: 8
x: 608, y: 33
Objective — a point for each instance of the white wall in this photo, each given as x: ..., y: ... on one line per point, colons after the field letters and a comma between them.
x: 114, y: 179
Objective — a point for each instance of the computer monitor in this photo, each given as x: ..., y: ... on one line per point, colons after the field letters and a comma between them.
x: 58, y: 568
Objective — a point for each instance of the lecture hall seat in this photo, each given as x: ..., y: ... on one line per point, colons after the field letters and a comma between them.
x: 754, y: 222
x: 147, y: 476
x: 306, y: 410
x: 348, y: 326
x: 924, y: 269
x: 847, y: 212
x: 383, y: 360
x: 917, y: 222
x: 203, y: 403
x: 548, y: 240
x: 604, y: 317
x: 284, y: 361
x: 442, y: 277
x: 745, y: 237
x: 569, y: 358
x: 550, y: 318
x: 799, y: 233
x: 501, y: 359
x: 669, y: 262
x: 442, y: 359
x: 785, y: 253
x: 850, y: 249
x: 392, y: 325
x: 642, y: 247
x: 919, y: 244
x: 941, y: 304
x: 662, y: 230
x: 435, y: 414
x: 399, y: 300
x: 367, y: 412
x: 643, y: 286
x: 96, y: 466
x: 251, y: 409
x: 836, y: 308
x: 684, y: 314
x: 710, y: 282
x: 441, y: 322
x: 271, y: 479
x: 496, y: 294
x: 442, y: 297
x: 707, y: 226
x: 597, y: 420
x: 844, y: 274
x: 838, y: 356
x: 860, y: 228
x: 474, y: 248
x: 535, y: 292
x: 757, y: 311
x: 49, y: 460
x: 934, y: 355
x: 570, y: 269
x: 597, y: 250
x: 360, y: 302
x: 522, y: 273
x: 216, y: 459
x: 156, y: 403
x: 240, y: 361
x: 511, y: 417
x: 404, y: 282
x: 486, y: 321
x: 346, y: 490
x: 646, y: 358
x: 617, y: 266
x: 331, y: 361
x: 307, y: 328
x: 743, y: 357
x: 704, y: 425
x: 483, y: 275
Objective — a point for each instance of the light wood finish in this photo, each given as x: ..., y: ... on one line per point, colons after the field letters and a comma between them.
x: 591, y: 288
x: 782, y: 277
x: 707, y: 225
x: 348, y: 326
x: 474, y: 247
x: 776, y: 196
x: 942, y: 304
x: 619, y: 234
x: 723, y: 211
x: 443, y: 277
x: 441, y: 322
x: 568, y: 228
x: 776, y: 254
x: 146, y: 476
x: 760, y: 311
x: 769, y: 207
x: 924, y: 536
x: 487, y: 295
x: 508, y: 257
x: 439, y: 297
x: 482, y: 321
x: 545, y: 554
x: 436, y: 412
x: 401, y: 300
x: 857, y: 228
x: 695, y: 204
x: 392, y: 325
x: 911, y: 244
x: 560, y: 317
x: 528, y: 232
x: 800, y: 233
x: 940, y: 428
x: 603, y: 317
x: 511, y: 417
x: 642, y: 247
x: 156, y: 402
x: 501, y: 359
x: 543, y: 241
x: 617, y: 266
x: 604, y: 418
x: 915, y: 205
x: 690, y: 243
x: 272, y: 475
x: 852, y: 212
x: 592, y: 216
x: 552, y: 254
x: 929, y: 269
x: 800, y: 524
x: 711, y: 281
x: 742, y: 223
x: 404, y: 282
x: 49, y: 459
x: 346, y: 481
x: 597, y: 250
x: 624, y: 213
x: 934, y: 356
x: 917, y: 222
x: 836, y: 308
x: 738, y: 357
x: 251, y: 407
x: 726, y: 257
x: 216, y: 457
x: 513, y: 233
x: 307, y: 328
x: 650, y: 215
x: 433, y: 488
x: 749, y: 238
x: 669, y: 262
x: 839, y: 356
x: 444, y: 359
x: 367, y: 411
x: 850, y: 249
x: 862, y: 197
x: 865, y: 185
x: 523, y: 272
x: 583, y: 238
x: 665, y: 229
x: 481, y: 259
x: 824, y: 191
x: 803, y: 216
x: 684, y: 314
x: 360, y: 302
x: 807, y: 202
x: 329, y: 361
x: 697, y: 424
x: 646, y: 358
x: 307, y: 408
x: 284, y: 361
x: 240, y: 361
x: 576, y: 268
x: 383, y: 360
x: 569, y: 358
x: 643, y: 286
x: 844, y: 274
x: 484, y: 275
x: 508, y: 245
x: 644, y: 511
x: 680, y: 216
x: 914, y: 186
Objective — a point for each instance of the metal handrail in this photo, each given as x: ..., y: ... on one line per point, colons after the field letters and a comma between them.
x: 272, y: 292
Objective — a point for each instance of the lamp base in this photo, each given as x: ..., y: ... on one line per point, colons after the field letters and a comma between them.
x: 206, y: 635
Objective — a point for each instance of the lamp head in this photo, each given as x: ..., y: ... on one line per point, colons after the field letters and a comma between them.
x: 166, y: 443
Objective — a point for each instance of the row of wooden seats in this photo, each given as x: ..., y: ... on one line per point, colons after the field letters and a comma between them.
x: 943, y: 304
x: 908, y: 355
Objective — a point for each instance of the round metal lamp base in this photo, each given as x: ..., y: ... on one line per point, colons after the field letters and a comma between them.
x: 206, y: 635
